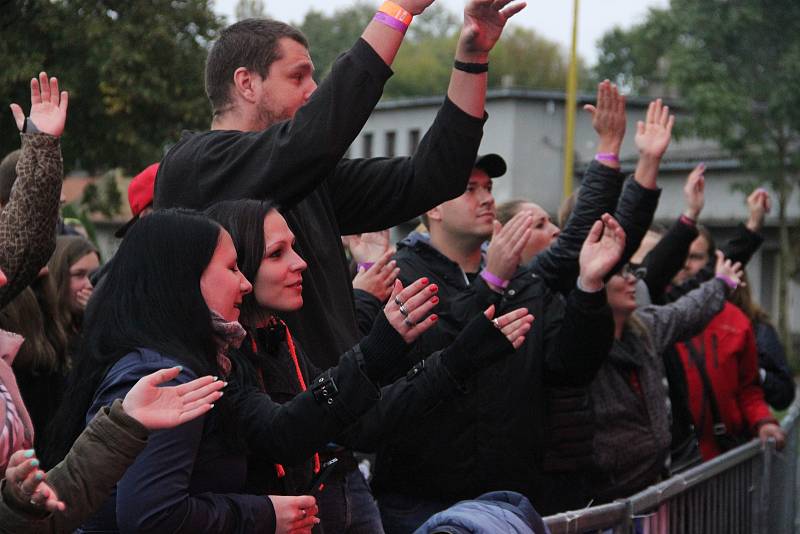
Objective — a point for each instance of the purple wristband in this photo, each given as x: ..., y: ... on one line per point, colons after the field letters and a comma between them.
x: 607, y: 156
x: 728, y: 281
x: 365, y: 264
x: 494, y: 280
x: 392, y: 22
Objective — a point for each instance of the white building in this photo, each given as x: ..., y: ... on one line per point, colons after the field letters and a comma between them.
x: 527, y: 128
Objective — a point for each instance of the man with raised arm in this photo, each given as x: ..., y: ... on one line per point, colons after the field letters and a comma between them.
x: 276, y: 135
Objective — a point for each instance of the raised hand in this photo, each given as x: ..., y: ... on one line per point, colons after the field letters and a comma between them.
x: 601, y: 251
x: 407, y: 309
x: 505, y: 248
x: 759, y: 204
x: 48, y: 106
x: 694, y: 192
x: 730, y: 272
x: 26, y: 483
x: 608, y: 119
x: 166, y: 407
x: 655, y: 132
x: 294, y: 514
x: 514, y: 325
x: 379, y: 279
x: 484, y: 21
x: 369, y: 246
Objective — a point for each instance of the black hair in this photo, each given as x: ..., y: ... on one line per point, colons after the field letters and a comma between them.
x: 244, y: 220
x: 250, y: 43
x: 150, y: 298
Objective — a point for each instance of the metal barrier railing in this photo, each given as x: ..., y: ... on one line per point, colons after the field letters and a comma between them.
x: 752, y: 489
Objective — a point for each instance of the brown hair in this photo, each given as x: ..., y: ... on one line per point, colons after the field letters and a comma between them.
x: 250, y: 43
x: 508, y: 209
x: 743, y: 298
x: 566, y: 207
x: 69, y: 249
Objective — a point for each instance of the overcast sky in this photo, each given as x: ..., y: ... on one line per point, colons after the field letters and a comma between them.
x: 551, y: 18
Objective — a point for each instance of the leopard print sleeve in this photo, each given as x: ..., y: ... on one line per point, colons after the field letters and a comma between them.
x: 28, y: 221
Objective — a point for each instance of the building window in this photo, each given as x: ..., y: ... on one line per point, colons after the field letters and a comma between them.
x: 413, y: 140
x: 367, y: 145
x: 391, y: 141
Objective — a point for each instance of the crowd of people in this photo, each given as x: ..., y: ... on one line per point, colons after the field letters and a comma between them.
x: 497, y: 367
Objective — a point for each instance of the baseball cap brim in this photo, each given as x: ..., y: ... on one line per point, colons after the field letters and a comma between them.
x: 492, y: 164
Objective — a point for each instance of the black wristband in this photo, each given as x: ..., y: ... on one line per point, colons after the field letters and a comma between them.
x: 471, y: 68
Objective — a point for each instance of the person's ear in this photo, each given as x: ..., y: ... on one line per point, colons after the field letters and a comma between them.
x: 434, y: 214
x: 245, y: 84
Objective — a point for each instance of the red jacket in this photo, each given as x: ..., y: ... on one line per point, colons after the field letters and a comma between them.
x: 729, y: 346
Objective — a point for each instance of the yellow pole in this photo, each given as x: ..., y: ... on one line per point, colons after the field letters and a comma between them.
x: 571, y: 105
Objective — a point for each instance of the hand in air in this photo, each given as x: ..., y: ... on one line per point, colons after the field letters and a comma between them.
x: 379, y: 279
x: 48, y: 106
x: 655, y: 132
x: 514, y: 324
x: 601, y: 251
x: 166, y: 407
x: 408, y: 308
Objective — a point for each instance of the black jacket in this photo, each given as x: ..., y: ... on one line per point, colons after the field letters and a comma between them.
x: 299, y: 164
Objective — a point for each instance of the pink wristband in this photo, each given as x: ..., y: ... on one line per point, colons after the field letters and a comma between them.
x: 494, y: 280
x: 365, y: 264
x: 392, y: 22
x: 688, y: 221
x: 728, y: 281
x: 607, y: 156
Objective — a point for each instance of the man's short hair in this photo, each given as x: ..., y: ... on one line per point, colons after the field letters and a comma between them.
x: 250, y: 43
x: 8, y: 175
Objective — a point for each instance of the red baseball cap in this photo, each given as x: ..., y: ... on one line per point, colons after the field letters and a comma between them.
x: 140, y: 195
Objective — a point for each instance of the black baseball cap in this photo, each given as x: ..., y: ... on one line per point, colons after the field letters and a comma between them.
x: 492, y: 164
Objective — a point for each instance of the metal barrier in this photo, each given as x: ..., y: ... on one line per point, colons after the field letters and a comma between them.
x: 749, y: 490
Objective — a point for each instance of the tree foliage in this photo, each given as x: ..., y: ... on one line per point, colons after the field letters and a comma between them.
x: 423, y: 65
x: 133, y: 70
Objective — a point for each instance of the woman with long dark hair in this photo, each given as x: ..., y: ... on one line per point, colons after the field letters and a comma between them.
x: 274, y: 363
x: 172, y: 297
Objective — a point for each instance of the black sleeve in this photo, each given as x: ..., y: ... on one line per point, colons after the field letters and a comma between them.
x: 286, y: 161
x: 378, y: 193
x: 578, y: 343
x: 667, y: 257
x: 367, y: 309
x: 742, y: 245
x: 635, y: 211
x: 778, y: 383
x: 599, y: 192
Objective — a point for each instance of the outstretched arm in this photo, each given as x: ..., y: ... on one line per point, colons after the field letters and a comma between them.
x: 28, y: 221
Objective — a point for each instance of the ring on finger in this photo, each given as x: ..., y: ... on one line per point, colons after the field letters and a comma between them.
x: 404, y: 310
x: 496, y: 324
x: 303, y: 512
x: 409, y: 323
x: 398, y: 301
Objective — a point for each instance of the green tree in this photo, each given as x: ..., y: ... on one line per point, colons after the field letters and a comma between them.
x: 736, y: 66
x: 133, y: 70
x: 247, y: 9
x: 424, y: 62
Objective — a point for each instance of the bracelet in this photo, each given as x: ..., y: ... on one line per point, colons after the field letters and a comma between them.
x: 471, y: 68
x: 728, y: 281
x: 396, y: 12
x: 494, y: 279
x: 688, y: 221
x: 365, y: 264
x: 607, y: 156
x: 392, y: 22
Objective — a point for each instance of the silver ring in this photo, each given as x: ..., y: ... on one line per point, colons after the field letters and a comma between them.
x: 403, y: 310
x: 398, y: 301
x: 410, y: 324
x: 303, y: 512
x: 496, y: 324
x: 34, y: 503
